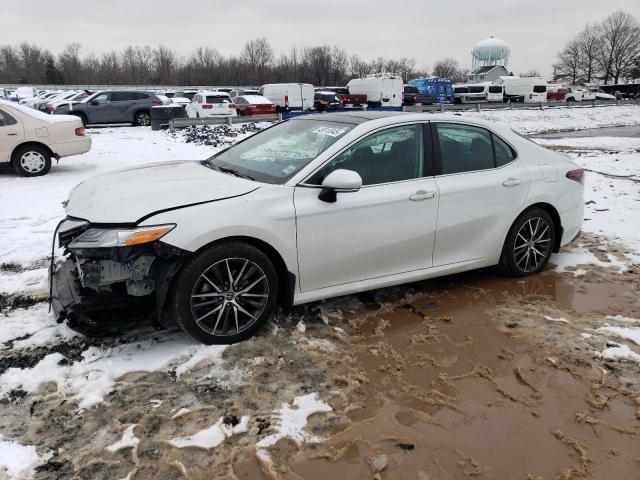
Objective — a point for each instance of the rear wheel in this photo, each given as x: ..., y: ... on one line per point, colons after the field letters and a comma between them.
x: 142, y: 119
x: 83, y: 118
x: 225, y: 293
x: 31, y: 161
x: 529, y: 244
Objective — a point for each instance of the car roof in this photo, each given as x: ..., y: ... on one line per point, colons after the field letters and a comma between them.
x: 355, y: 117
x: 212, y: 93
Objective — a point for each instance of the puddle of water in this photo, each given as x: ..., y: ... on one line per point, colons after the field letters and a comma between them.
x: 447, y: 395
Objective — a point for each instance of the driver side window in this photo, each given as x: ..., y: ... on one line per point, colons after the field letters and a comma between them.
x: 391, y: 155
x: 102, y: 98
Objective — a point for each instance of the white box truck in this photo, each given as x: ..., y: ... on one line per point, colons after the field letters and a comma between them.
x: 382, y: 90
x: 527, y: 89
x: 289, y: 96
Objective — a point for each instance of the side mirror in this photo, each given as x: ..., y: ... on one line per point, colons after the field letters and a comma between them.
x: 94, y: 102
x: 340, y: 180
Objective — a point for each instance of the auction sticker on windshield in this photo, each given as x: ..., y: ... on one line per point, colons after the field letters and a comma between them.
x: 330, y: 131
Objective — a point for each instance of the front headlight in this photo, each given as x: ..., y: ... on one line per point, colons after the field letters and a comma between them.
x: 120, y: 237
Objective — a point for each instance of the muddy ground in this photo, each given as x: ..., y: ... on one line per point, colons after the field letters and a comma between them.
x: 473, y: 375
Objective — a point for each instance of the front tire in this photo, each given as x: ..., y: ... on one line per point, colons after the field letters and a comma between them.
x: 31, y: 161
x: 529, y: 244
x: 142, y: 119
x: 225, y: 293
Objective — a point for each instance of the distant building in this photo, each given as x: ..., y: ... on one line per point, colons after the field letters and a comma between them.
x: 487, y: 73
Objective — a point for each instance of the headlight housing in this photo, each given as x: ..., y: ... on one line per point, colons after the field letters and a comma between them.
x: 120, y: 237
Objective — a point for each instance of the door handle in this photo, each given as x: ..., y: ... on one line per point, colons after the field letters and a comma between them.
x: 512, y: 182
x: 421, y: 195
x: 12, y: 134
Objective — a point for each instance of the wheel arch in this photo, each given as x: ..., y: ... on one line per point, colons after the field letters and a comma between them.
x: 286, y: 278
x: 555, y: 216
x: 34, y: 144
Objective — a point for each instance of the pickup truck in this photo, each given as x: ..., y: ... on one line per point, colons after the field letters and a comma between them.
x: 412, y: 96
x: 347, y: 99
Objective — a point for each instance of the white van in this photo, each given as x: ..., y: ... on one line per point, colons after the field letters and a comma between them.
x: 528, y: 89
x: 495, y: 93
x: 289, y: 96
x: 382, y: 90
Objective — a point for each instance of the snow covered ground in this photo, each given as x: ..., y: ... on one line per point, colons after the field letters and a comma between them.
x: 613, y: 199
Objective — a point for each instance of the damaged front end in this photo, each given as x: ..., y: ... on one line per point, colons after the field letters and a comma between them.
x: 112, y: 274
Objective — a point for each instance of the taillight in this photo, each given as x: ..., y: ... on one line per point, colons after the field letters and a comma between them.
x: 206, y: 106
x: 157, y: 101
x: 286, y: 101
x: 576, y: 175
x: 232, y: 105
x: 80, y: 131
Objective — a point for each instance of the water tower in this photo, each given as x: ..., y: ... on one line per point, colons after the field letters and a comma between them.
x: 489, y: 52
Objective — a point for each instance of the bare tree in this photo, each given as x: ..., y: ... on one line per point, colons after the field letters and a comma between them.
x: 446, y: 68
x: 257, y: 55
x: 568, y: 63
x: 530, y: 73
x: 359, y: 68
x: 620, y: 45
x: 69, y: 64
x: 589, y: 44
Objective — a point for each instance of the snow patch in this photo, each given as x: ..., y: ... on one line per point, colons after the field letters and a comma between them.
x: 18, y: 462
x: 560, y: 319
x: 93, y: 377
x: 292, y: 421
x: 212, y: 436
x: 619, y: 352
x: 626, y: 333
x: 128, y: 440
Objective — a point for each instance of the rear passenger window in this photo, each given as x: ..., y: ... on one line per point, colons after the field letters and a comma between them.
x: 464, y: 148
x: 140, y: 96
x: 6, y: 119
x: 504, y: 153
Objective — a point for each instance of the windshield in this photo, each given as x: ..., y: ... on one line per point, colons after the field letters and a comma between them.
x: 278, y: 153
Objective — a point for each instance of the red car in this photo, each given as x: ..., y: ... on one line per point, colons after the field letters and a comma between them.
x: 254, y: 105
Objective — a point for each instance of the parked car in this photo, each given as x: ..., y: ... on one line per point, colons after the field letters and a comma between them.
x: 53, y: 104
x: 254, y: 105
x: 347, y: 99
x: 556, y: 93
x: 494, y: 93
x: 183, y: 97
x: 243, y: 91
x: 289, y: 96
x: 31, y: 101
x: 42, y: 104
x: 622, y: 91
x: 604, y: 96
x: 208, y: 103
x: 29, y: 138
x: 527, y: 89
x: 113, y: 106
x: 23, y: 93
x: 382, y: 90
x: 469, y: 94
x: 411, y: 96
x: 326, y: 100
x: 195, y: 252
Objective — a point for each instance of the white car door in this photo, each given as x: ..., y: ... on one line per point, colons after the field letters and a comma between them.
x: 480, y: 192
x: 11, y: 134
x: 385, y: 228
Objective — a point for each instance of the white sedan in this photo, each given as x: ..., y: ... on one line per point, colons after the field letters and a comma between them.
x: 29, y: 138
x: 311, y: 208
x: 208, y: 104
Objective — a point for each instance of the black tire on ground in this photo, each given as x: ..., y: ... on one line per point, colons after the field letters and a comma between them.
x: 225, y: 293
x: 31, y: 161
x: 529, y: 244
x: 570, y: 99
x: 142, y: 119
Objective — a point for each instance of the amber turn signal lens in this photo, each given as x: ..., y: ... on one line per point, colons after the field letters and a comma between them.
x: 80, y: 131
x: 150, y: 235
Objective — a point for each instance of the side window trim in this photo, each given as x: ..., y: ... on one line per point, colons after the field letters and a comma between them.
x: 428, y: 166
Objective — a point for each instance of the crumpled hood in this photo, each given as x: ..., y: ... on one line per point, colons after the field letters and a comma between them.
x: 126, y: 196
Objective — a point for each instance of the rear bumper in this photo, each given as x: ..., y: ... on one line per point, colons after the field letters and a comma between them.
x: 571, y: 223
x: 73, y: 147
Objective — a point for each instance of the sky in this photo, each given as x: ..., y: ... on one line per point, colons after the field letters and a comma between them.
x: 425, y: 30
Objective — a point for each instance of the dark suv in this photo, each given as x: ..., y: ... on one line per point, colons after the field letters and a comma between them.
x: 113, y: 106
